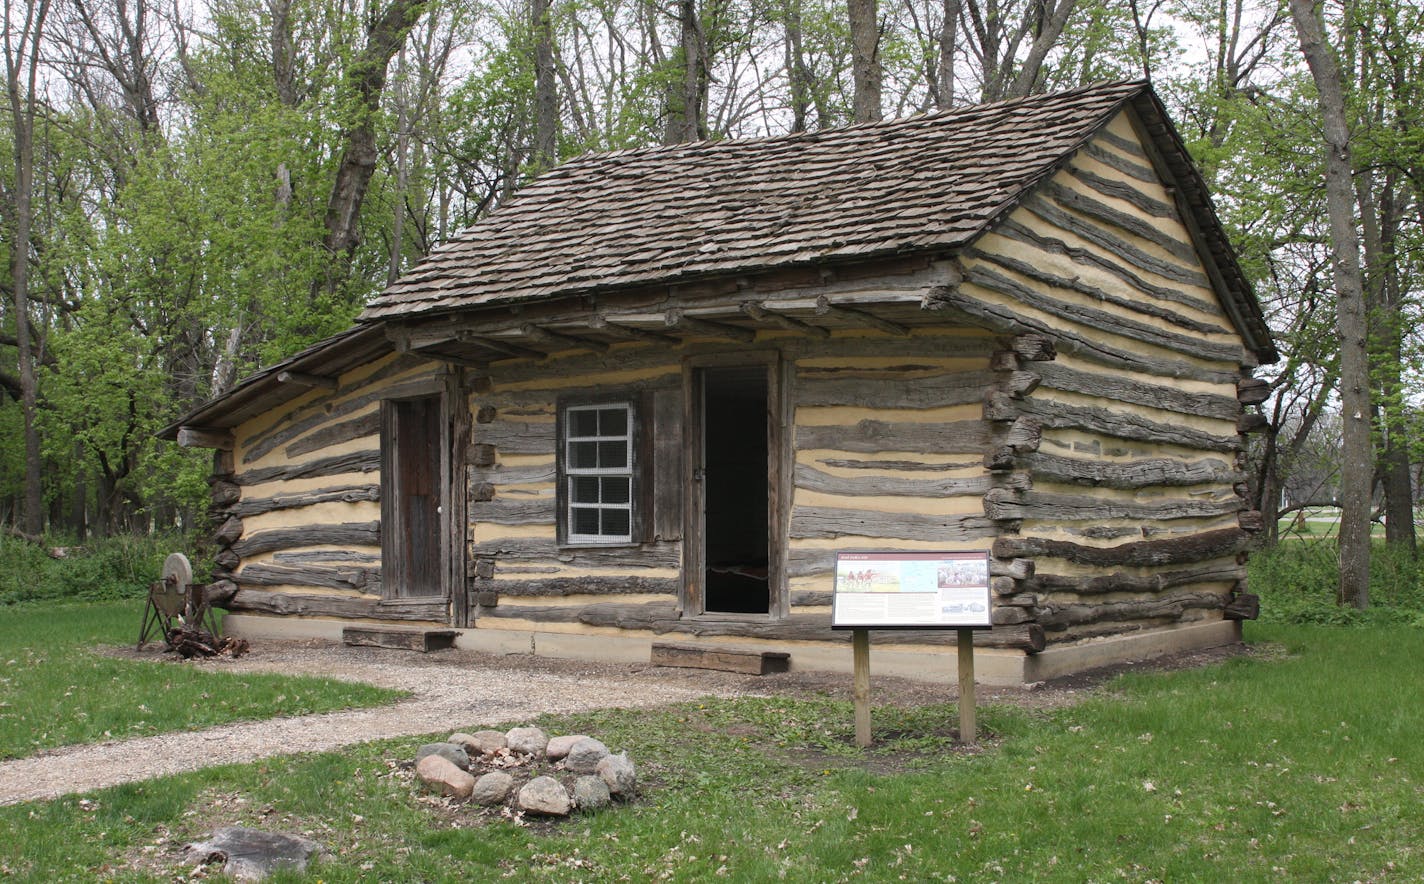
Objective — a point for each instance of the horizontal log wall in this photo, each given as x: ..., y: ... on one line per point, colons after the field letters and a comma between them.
x: 299, y: 514
x: 1129, y: 508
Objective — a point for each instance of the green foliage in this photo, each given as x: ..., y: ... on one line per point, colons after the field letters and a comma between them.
x: 118, y: 567
x: 1297, y: 581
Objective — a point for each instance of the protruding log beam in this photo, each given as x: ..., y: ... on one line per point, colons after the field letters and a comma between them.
x: 1251, y: 422
x: 1024, y: 436
x: 1174, y: 550
x: 228, y: 559
x: 682, y: 322
x: 561, y: 340
x: 303, y: 379
x: 228, y: 532
x: 856, y: 316
x: 780, y: 320
x: 1252, y: 391
x: 1018, y: 384
x: 1253, y: 521
x: 1004, y: 360
x: 1019, y: 569
x: 506, y: 348
x: 224, y: 493
x: 480, y: 455
x: 1034, y: 348
x: 630, y: 333
x: 205, y: 437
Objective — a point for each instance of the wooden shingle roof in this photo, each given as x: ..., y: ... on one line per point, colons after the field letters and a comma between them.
x: 667, y: 214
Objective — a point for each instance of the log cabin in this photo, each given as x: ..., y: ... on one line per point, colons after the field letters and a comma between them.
x: 643, y: 404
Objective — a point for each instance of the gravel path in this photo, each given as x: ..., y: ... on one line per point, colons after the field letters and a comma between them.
x: 451, y: 690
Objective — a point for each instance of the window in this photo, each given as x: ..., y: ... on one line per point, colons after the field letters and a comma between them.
x: 597, y: 476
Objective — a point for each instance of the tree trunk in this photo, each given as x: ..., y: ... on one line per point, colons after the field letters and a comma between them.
x: 798, y: 76
x: 865, y: 58
x: 1356, y: 468
x: 687, y: 88
x: 21, y: 62
x: 365, y: 82
x: 546, y: 96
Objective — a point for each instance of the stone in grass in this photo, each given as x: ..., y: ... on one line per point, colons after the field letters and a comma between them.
x: 591, y: 793
x: 492, y: 788
x: 441, y: 774
x: 559, y: 746
x: 527, y: 741
x: 448, y: 751
x: 545, y: 795
x: 480, y: 742
x: 585, y: 755
x: 252, y: 854
x: 620, y: 775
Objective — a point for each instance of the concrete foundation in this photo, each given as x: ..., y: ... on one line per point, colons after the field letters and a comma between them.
x: 992, y: 666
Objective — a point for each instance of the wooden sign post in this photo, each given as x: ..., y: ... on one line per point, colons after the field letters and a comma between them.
x: 968, y: 733
x: 896, y: 589
x: 860, y: 653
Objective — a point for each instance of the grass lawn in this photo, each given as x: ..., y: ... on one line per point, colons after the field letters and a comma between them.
x: 1300, y: 763
x: 56, y: 691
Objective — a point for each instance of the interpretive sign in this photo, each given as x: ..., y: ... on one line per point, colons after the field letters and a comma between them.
x: 911, y: 590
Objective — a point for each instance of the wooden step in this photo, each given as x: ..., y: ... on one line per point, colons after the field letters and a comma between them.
x: 423, y: 640
x: 725, y: 659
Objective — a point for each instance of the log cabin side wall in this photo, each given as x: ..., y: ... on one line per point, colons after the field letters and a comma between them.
x: 299, y: 514
x: 885, y: 451
x: 1133, y: 515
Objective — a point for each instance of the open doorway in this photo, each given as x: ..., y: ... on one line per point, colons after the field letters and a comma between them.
x: 735, y: 489
x: 413, y: 449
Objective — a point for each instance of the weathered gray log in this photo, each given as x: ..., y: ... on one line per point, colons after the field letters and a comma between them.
x: 220, y: 438
x: 479, y: 455
x: 662, y: 618
x: 1054, y: 616
x: 855, y: 316
x: 501, y: 475
x: 344, y: 556
x: 828, y: 522
x: 561, y: 586
x: 1017, y: 384
x: 1252, y: 391
x: 479, y: 492
x: 263, y: 574
x: 1133, y: 474
x: 1252, y: 521
x: 1089, y: 207
x: 930, y: 391
x: 1242, y: 606
x: 228, y: 532
x: 1005, y: 319
x: 224, y: 493
x: 1023, y: 435
x: 1034, y: 347
x: 1005, y: 360
x: 514, y: 511
x: 344, y: 494
x: 1105, y: 322
x: 324, y: 411
x: 517, y: 437
x: 1008, y: 615
x: 1018, y: 569
x: 351, y: 462
x: 761, y: 314
x: 1003, y: 585
x: 1123, y: 190
x: 344, y: 534
x: 1106, y: 422
x: 523, y: 549
x: 956, y: 437
x: 1212, y: 572
x: 812, y: 479
x: 1167, y: 551
x: 561, y: 340
x: 1007, y: 503
x: 1139, y: 305
x: 1061, y: 377
x: 677, y: 320
x: 227, y: 559
x: 913, y: 466
x: 1115, y: 245
x: 810, y: 598
x: 1089, y: 258
x: 920, y: 345
x: 266, y: 602
x: 1251, y: 422
x: 336, y: 434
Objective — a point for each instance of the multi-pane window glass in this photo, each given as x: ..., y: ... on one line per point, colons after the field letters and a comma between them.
x: 598, y: 467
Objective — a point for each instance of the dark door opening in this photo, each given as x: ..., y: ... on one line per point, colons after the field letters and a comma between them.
x: 413, y: 564
x: 735, y: 490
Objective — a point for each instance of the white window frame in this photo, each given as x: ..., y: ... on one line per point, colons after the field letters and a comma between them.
x: 572, y: 473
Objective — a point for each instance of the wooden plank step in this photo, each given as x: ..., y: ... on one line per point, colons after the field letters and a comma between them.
x: 725, y: 659
x: 423, y: 640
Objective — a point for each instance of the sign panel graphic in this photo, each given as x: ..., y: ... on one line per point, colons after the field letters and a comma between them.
x: 914, y: 590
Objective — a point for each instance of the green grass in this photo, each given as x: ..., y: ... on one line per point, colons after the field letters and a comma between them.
x: 57, y: 690
x: 102, y: 569
x: 1297, y: 583
x: 1298, y: 764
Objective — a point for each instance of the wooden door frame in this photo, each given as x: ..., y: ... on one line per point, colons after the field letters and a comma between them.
x: 449, y: 605
x: 779, y: 429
